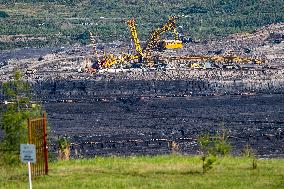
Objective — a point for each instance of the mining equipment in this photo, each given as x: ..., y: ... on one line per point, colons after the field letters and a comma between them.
x: 211, y: 62
x: 196, y: 62
x: 144, y: 56
x: 154, y: 41
x: 170, y: 44
x: 104, y: 61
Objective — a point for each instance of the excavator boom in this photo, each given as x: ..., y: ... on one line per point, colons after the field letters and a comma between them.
x: 154, y: 38
x: 134, y: 36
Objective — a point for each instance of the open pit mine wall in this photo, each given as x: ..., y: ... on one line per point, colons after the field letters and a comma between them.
x: 258, y: 82
x: 53, y: 90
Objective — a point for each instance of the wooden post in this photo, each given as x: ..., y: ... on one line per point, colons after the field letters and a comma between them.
x: 45, y: 143
x: 29, y: 131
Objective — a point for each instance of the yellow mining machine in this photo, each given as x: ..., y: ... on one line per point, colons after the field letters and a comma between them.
x: 196, y: 61
x: 154, y: 40
x: 142, y: 55
x: 134, y: 35
x: 105, y: 61
x: 205, y: 62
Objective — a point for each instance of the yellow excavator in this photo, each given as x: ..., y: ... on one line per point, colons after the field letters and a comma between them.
x: 143, y: 55
x: 154, y: 40
x: 105, y: 61
x: 134, y: 35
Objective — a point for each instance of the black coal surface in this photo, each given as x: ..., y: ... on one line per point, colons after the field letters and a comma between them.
x: 125, y: 126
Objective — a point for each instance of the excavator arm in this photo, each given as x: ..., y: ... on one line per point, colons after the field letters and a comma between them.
x: 134, y: 36
x: 155, y: 36
x: 154, y: 39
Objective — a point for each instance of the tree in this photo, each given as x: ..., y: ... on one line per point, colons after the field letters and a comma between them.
x: 212, y: 146
x: 208, y: 155
x: 13, y: 117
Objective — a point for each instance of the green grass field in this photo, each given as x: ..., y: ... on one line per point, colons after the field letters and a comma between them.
x: 170, y: 171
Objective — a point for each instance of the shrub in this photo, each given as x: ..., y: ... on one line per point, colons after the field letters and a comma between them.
x: 64, y: 148
x: 212, y: 146
x: 3, y: 14
x: 208, y: 156
x: 221, y: 143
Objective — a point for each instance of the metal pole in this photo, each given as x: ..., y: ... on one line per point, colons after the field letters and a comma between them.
x: 30, y: 175
x: 30, y: 142
x: 29, y: 131
x: 45, y: 143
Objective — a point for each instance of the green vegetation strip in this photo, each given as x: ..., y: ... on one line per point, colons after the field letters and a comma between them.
x: 66, y: 22
x: 169, y: 171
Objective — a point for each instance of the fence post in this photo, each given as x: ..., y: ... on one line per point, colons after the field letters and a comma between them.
x: 45, y: 143
x: 29, y: 131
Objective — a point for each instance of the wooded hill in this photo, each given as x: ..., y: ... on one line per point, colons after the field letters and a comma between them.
x: 48, y: 22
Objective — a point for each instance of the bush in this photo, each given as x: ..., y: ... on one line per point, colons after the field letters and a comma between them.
x: 208, y: 156
x: 64, y: 148
x: 221, y: 144
x: 3, y: 14
x: 212, y: 146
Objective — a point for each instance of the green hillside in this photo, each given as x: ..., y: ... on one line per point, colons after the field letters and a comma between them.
x: 51, y: 22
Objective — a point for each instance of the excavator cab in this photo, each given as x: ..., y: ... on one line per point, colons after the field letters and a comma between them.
x: 175, y: 43
x: 154, y: 41
x: 170, y: 44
